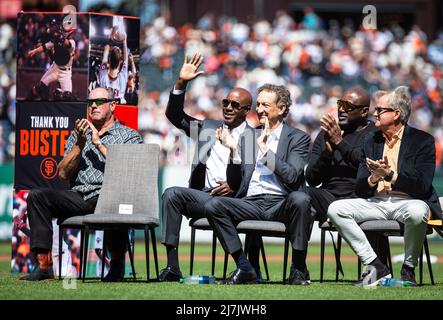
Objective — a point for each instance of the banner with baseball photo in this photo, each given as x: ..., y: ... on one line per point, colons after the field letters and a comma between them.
x: 115, y: 55
x: 52, y: 56
x: 62, y: 57
x: 42, y: 131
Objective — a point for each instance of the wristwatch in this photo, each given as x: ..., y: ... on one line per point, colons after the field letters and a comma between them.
x: 389, y: 176
x: 99, y: 143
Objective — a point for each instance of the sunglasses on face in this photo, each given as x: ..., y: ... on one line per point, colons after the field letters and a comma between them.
x: 234, y: 104
x: 347, y: 106
x: 381, y: 110
x: 98, y: 102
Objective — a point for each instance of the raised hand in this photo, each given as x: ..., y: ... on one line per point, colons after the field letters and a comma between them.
x: 261, y: 141
x: 379, y: 168
x: 331, y: 128
x: 225, y: 138
x: 189, y: 69
x: 95, y: 137
x: 81, y: 127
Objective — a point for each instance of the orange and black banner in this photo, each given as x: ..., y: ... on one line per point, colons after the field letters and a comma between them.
x: 43, y: 129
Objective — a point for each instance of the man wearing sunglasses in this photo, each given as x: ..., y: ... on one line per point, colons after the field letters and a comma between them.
x: 335, y: 157
x: 394, y: 181
x: 271, y: 187
x: 83, y: 165
x: 214, y: 172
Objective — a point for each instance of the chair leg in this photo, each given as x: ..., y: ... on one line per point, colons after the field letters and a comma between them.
x: 102, y: 274
x: 191, y: 266
x: 337, y: 258
x: 131, y: 255
x: 82, y: 248
x: 85, y: 252
x: 265, y: 264
x: 147, y: 252
x: 388, y: 248
x: 154, y: 251
x: 420, y: 267
x: 285, y: 261
x: 225, y: 265
x: 428, y: 259
x: 246, y: 247
x: 60, y: 251
x: 214, y: 248
x: 322, y: 254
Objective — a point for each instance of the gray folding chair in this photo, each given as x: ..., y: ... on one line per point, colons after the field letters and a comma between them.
x: 129, y: 196
x: 263, y: 229
x: 394, y: 228
x: 76, y: 222
x: 387, y: 228
x: 203, y: 224
x: 328, y: 226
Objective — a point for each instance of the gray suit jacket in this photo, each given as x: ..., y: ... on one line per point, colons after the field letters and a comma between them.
x: 287, y: 163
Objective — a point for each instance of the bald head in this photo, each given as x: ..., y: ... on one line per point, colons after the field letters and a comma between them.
x: 243, y: 95
x: 358, y: 96
x: 240, y: 101
x: 353, y: 109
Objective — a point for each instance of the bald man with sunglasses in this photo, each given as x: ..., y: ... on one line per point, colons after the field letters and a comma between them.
x: 335, y: 157
x: 215, y: 171
x: 83, y: 165
x: 394, y: 182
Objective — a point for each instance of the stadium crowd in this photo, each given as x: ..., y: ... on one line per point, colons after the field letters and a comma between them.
x: 316, y: 59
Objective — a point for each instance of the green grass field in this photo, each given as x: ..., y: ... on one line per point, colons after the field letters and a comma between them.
x: 12, y: 288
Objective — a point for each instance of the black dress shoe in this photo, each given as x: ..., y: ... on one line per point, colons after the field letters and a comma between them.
x: 239, y: 276
x: 39, y: 274
x: 114, y: 275
x: 299, y: 278
x: 170, y: 274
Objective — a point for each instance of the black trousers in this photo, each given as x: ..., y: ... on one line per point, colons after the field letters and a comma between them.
x: 321, y: 199
x: 225, y: 213
x: 47, y: 204
x: 179, y: 202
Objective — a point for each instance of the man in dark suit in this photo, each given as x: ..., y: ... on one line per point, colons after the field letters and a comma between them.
x: 272, y: 178
x: 394, y: 181
x: 335, y: 157
x: 213, y: 172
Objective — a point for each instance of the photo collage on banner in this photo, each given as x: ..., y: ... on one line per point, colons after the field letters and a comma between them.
x: 59, y: 61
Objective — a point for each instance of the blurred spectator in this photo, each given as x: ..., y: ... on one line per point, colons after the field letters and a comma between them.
x: 315, y: 60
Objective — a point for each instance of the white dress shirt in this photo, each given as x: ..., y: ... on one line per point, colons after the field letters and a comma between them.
x: 263, y: 180
x: 218, y: 159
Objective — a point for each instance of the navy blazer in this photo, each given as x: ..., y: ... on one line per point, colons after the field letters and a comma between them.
x: 416, y: 167
x: 288, y: 162
x: 204, y: 131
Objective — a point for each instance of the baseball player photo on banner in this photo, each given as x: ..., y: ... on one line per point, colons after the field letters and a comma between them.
x: 115, y: 55
x: 52, y: 56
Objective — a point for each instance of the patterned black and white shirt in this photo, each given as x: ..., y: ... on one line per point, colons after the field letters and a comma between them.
x: 89, y: 178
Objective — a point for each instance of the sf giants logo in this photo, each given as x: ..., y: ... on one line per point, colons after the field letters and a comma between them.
x: 48, y: 168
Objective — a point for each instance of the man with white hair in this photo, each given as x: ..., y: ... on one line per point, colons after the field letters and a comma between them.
x: 394, y: 182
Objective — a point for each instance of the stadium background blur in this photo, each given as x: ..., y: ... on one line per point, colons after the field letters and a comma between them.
x: 317, y: 48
